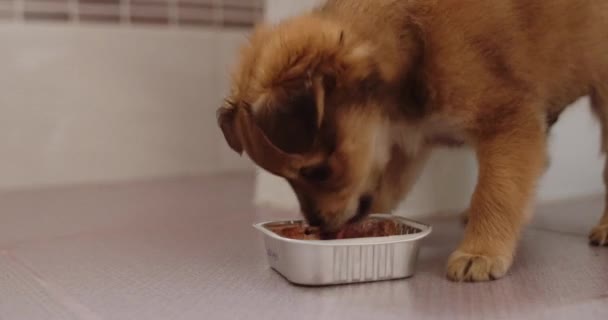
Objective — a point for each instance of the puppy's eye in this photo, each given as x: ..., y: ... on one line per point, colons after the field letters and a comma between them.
x: 329, y: 83
x: 319, y: 173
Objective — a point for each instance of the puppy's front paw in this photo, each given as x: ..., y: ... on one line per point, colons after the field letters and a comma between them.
x: 599, y: 235
x: 464, y: 266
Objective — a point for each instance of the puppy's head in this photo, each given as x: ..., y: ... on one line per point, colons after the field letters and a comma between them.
x: 305, y: 105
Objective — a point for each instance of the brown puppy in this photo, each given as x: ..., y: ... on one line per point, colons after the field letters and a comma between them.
x: 346, y: 102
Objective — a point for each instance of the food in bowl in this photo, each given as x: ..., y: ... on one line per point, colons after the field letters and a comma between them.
x: 368, y: 228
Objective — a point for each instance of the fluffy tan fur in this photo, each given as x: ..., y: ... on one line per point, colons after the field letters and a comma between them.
x: 347, y: 101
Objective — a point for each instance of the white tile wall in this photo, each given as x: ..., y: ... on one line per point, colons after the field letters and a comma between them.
x: 102, y: 103
x: 176, y: 13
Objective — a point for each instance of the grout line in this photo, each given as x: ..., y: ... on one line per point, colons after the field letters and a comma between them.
x: 96, y: 232
x: 568, y: 200
x: 54, y: 291
x: 560, y: 232
x: 173, y: 13
x: 125, y: 12
x: 237, y: 175
x: 218, y: 13
x: 19, y: 7
x: 73, y: 11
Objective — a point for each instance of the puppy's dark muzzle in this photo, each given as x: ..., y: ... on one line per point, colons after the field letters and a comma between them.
x: 364, y: 208
x: 314, y: 218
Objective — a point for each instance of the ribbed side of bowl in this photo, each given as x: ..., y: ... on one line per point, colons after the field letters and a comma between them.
x: 317, y: 263
x: 362, y: 263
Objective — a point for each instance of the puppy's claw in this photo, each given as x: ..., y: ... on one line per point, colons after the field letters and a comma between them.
x: 467, y: 267
x: 599, y: 236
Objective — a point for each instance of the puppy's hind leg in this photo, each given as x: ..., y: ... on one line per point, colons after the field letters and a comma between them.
x: 599, y: 103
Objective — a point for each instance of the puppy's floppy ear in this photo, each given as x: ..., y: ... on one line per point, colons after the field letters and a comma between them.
x: 292, y: 121
x: 322, y: 87
x: 226, y: 118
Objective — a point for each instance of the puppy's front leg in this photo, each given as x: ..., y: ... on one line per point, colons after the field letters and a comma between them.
x: 510, y: 163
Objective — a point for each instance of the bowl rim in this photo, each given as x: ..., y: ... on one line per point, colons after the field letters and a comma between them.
x: 425, y: 230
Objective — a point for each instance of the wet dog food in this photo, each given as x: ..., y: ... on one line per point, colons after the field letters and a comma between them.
x: 368, y: 228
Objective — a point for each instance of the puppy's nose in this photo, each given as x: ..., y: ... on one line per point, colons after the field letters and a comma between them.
x: 313, y: 217
x: 364, y: 208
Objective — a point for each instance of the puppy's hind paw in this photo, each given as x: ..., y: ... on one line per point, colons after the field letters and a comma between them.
x: 599, y: 235
x: 467, y: 267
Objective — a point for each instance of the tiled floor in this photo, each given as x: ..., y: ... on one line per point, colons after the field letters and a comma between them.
x: 185, y: 249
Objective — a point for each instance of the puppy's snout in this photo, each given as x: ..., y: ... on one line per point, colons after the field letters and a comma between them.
x: 364, y: 208
x: 314, y: 218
